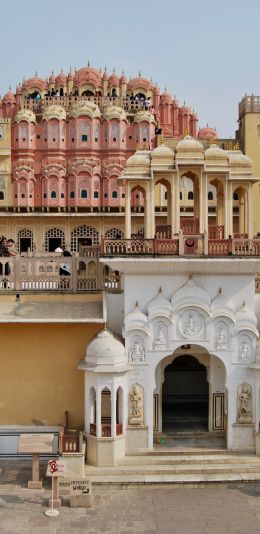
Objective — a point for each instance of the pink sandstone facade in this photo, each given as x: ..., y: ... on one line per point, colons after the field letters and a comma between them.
x: 71, y: 136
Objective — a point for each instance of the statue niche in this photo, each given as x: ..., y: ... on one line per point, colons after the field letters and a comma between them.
x: 136, y: 353
x: 244, y: 403
x: 136, y: 405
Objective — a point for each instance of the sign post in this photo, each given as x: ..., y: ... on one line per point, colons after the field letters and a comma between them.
x: 55, y: 469
x: 35, y: 444
x: 80, y: 493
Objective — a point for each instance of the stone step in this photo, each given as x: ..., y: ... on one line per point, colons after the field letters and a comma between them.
x: 189, y: 459
x: 174, y: 479
x: 172, y: 469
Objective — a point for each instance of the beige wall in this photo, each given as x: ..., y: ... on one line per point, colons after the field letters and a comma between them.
x: 39, y: 378
x: 250, y: 137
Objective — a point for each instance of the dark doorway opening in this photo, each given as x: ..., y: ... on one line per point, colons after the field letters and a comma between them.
x: 25, y: 244
x: 185, y: 396
x: 54, y: 242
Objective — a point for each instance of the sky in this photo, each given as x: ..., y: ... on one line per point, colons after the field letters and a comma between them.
x: 207, y: 53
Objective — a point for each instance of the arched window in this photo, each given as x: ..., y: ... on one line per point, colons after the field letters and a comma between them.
x: 2, y: 195
x: 83, y: 193
x: 95, y: 194
x: 62, y: 195
x: 190, y: 195
x: 210, y: 195
x: 114, y: 194
x: 114, y: 233
x: 24, y: 240
x: 165, y: 195
x: 83, y: 235
x: 53, y: 194
x: 236, y: 196
x: 54, y: 238
x: 72, y: 194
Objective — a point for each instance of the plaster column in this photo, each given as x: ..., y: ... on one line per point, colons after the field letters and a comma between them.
x: 249, y: 212
x: 220, y: 207
x: 197, y: 200
x: 204, y: 219
x: 173, y: 212
x: 229, y: 210
x: 98, y: 413
x: 152, y: 209
x: 148, y: 214
x: 124, y: 408
x: 113, y: 411
x: 127, y: 211
x: 177, y: 203
x: 242, y: 214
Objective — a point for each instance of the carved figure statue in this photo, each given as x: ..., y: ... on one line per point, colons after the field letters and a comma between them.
x: 221, y: 342
x: 160, y: 336
x: 244, y: 352
x: 136, y: 406
x: 137, y: 352
x: 190, y: 326
x: 244, y: 403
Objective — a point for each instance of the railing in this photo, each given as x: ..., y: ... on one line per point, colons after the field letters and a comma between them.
x: 218, y: 247
x: 163, y: 231
x: 216, y: 232
x: 189, y: 225
x: 187, y: 245
x: 105, y: 430
x: 68, y: 101
x: 249, y: 104
x: 70, y: 443
x: 52, y: 273
x: 111, y: 247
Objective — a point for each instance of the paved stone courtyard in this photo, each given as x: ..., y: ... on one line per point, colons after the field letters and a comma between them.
x: 221, y: 509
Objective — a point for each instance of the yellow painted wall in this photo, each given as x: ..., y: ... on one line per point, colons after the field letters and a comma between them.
x: 39, y: 377
x: 250, y: 137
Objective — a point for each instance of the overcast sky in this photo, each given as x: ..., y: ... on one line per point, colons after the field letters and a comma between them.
x: 207, y: 53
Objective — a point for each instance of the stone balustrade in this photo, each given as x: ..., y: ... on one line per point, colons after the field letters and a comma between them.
x: 38, y: 106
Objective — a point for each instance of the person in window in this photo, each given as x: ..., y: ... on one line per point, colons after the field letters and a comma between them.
x: 114, y: 93
x: 65, y: 268
x: 4, y: 252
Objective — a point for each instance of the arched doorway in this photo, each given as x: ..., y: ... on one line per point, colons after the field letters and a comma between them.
x: 185, y: 396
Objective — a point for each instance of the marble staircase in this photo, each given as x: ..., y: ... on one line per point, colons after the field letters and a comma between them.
x: 172, y: 467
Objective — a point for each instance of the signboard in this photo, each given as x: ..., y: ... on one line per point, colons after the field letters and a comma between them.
x: 56, y: 468
x: 35, y: 443
x: 80, y: 487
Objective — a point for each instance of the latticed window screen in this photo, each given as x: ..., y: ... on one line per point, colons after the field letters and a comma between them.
x: 24, y: 233
x: 54, y: 233
x: 114, y: 233
x: 83, y: 232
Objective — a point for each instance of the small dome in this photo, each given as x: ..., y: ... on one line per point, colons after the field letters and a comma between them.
x: 166, y: 98
x: 139, y: 159
x: 207, y: 133
x: 25, y: 115
x: 123, y: 78
x: 185, y: 109
x: 52, y: 78
x: 105, y: 349
x: 159, y: 305
x: 163, y: 151
x: 35, y: 83
x: 54, y: 112
x: 245, y: 316
x: 114, y: 112
x: 220, y: 305
x: 215, y: 152
x: 236, y: 157
x: 61, y: 79
x: 70, y: 75
x: 85, y: 108
x: 113, y: 79
x: 87, y: 75
x: 105, y: 75
x: 144, y: 115
x: 136, y: 318
x: 9, y: 98
x: 189, y: 144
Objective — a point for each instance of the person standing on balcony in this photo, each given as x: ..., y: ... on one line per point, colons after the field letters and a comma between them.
x: 4, y: 252
x: 65, y: 268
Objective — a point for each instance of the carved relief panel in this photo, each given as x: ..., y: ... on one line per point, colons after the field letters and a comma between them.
x: 244, y: 403
x: 192, y: 324
x: 136, y: 405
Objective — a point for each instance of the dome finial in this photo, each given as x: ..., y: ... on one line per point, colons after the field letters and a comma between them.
x: 36, y: 73
x: 10, y: 87
x: 88, y: 63
x: 136, y: 304
x: 139, y: 74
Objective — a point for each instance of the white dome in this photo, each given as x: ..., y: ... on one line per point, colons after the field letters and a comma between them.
x: 159, y: 305
x: 105, y: 349
x: 139, y: 160
x: 215, y: 152
x: 162, y: 151
x: 189, y: 144
x: 221, y: 306
x: 238, y: 158
x: 244, y: 317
